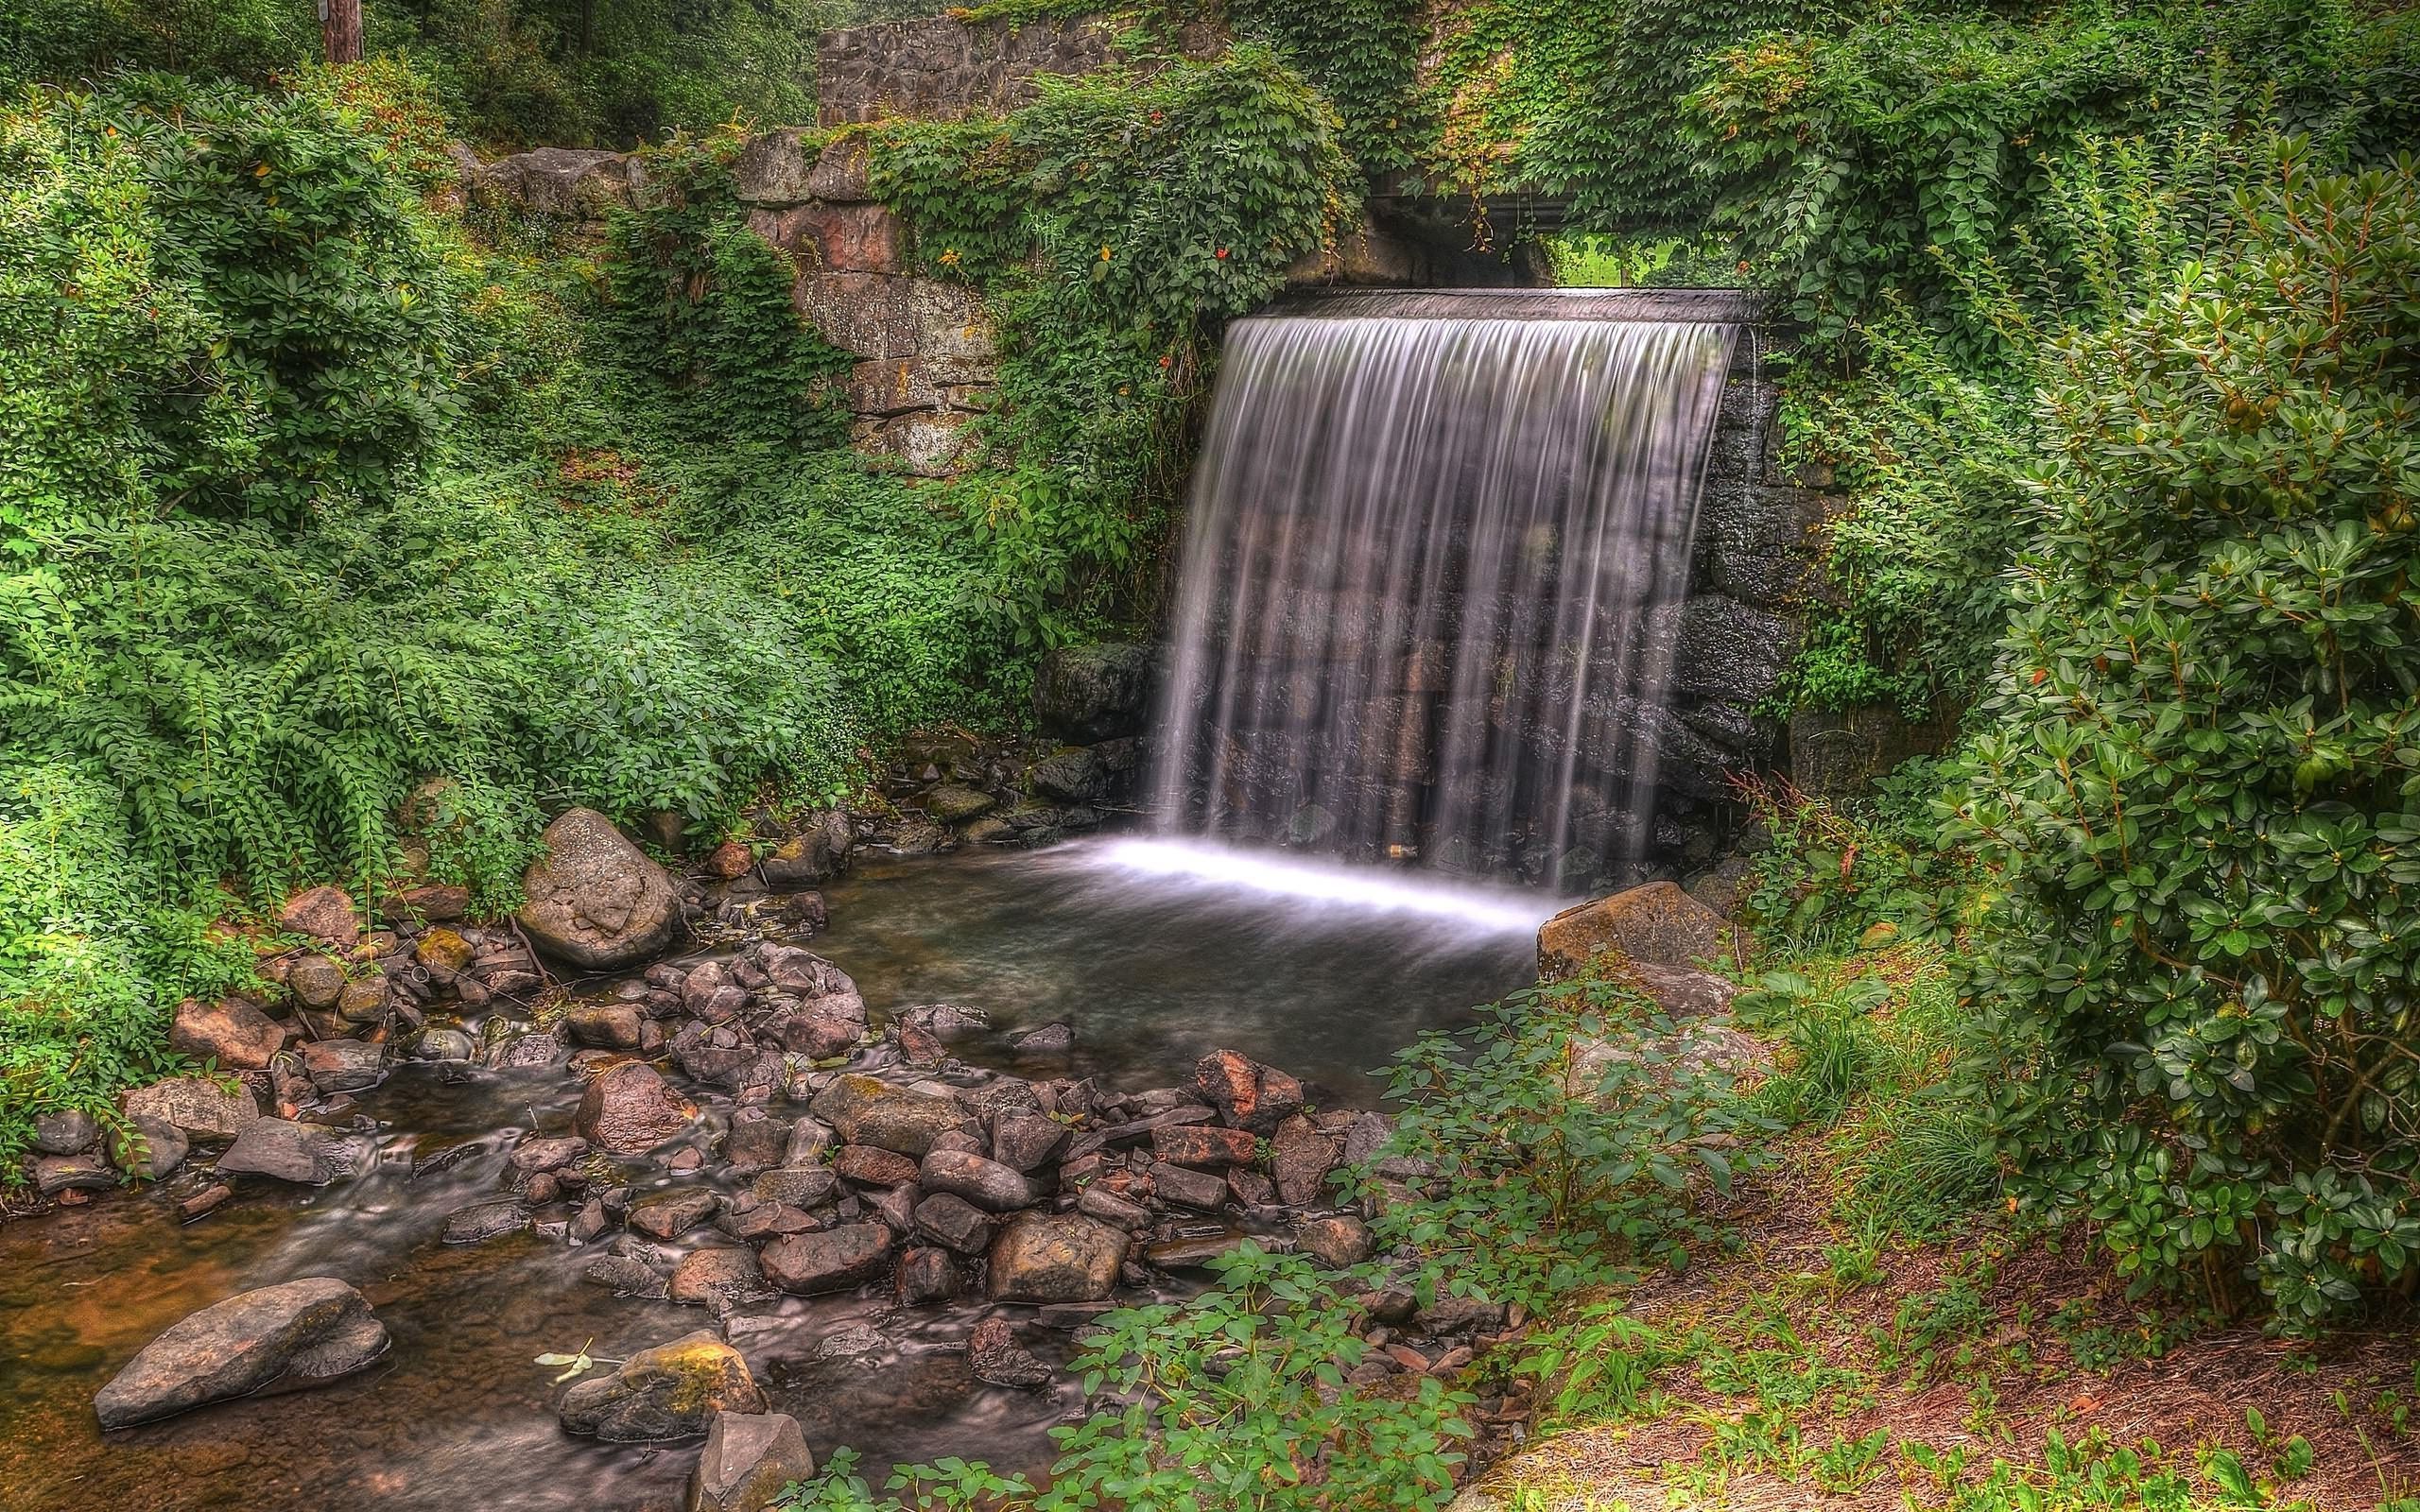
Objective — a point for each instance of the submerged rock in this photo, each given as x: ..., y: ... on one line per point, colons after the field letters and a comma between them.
x: 596, y: 900
x: 299, y: 1332
x: 747, y: 1459
x: 675, y: 1390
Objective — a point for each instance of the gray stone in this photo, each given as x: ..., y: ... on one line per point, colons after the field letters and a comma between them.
x: 309, y: 1154
x: 344, y: 1065
x: 869, y: 1111
x: 596, y: 900
x: 675, y: 1390
x: 153, y: 1149
x: 1024, y: 1141
x: 719, y: 1280
x: 482, y: 1221
x: 954, y: 1223
x: 299, y: 1332
x: 1083, y: 693
x: 65, y: 1133
x: 748, y: 1458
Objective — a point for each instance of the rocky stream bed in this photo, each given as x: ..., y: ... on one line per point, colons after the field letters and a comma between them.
x: 748, y: 1196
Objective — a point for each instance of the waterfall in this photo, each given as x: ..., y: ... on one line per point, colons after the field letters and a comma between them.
x: 1427, y: 583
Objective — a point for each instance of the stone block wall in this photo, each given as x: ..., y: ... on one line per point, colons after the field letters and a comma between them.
x: 938, y: 68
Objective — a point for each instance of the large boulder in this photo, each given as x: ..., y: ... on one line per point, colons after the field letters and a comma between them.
x: 202, y: 1110
x: 675, y: 1390
x: 748, y: 1458
x: 1658, y: 924
x: 1056, y: 1257
x: 324, y: 914
x: 293, y: 1334
x: 1090, y: 693
x: 233, y: 1033
x: 596, y: 900
x: 630, y: 1107
x: 310, y: 1153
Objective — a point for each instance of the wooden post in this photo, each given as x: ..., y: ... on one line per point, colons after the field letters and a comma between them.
x: 340, y: 29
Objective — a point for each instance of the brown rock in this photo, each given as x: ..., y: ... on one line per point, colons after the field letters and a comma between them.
x: 316, y: 980
x: 1063, y: 1257
x: 596, y: 900
x: 996, y: 1359
x: 749, y: 1459
x: 629, y: 1108
x: 604, y: 1025
x: 326, y: 914
x: 730, y: 860
x: 675, y: 1390
x: 233, y: 1033
x: 1657, y: 924
x: 434, y: 902
x: 1203, y: 1145
x: 834, y: 1259
x: 1300, y: 1159
x: 443, y: 952
x: 871, y: 1167
x: 293, y: 1334
x: 718, y: 1278
x: 200, y: 1109
x: 1247, y: 1093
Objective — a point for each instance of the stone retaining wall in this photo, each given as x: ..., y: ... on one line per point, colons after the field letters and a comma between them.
x: 938, y: 68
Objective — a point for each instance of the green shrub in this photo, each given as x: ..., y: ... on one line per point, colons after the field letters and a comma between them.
x: 2197, y: 766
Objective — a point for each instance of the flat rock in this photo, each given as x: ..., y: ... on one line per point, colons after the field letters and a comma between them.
x: 1658, y: 924
x: 806, y: 1186
x: 230, y: 1031
x: 1210, y: 1147
x: 834, y: 1259
x: 483, y: 1221
x: 1063, y: 1257
x: 199, y: 1107
x: 672, y: 1391
x: 668, y: 1215
x: 309, y: 1154
x: 719, y: 1280
x: 595, y: 898
x: 83, y: 1172
x: 747, y: 1459
x: 867, y: 1110
x: 295, y: 1333
x: 954, y: 1223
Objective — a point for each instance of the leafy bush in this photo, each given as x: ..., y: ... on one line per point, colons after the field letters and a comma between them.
x: 2196, y: 765
x: 1554, y: 1145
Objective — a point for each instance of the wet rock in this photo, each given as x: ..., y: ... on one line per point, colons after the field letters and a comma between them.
x: 672, y: 1391
x: 1247, y: 1094
x: 151, y: 1150
x: 800, y: 862
x: 1085, y: 694
x: 1026, y: 1141
x: 443, y: 954
x: 671, y: 1214
x: 867, y: 1110
x: 871, y: 1167
x: 604, y: 1025
x: 1658, y: 924
x: 1203, y: 1146
x: 439, y: 1043
x: 717, y: 1054
x: 482, y: 1221
x: 954, y: 1223
x: 834, y: 1259
x: 309, y: 1154
x: 747, y: 1459
x: 1054, y: 1039
x: 198, y: 1106
x: 719, y: 1280
x: 996, y: 1359
x: 626, y: 1276
x: 1300, y: 1159
x: 987, y: 1184
x: 524, y: 1051
x: 757, y: 1221
x: 1192, y: 1254
x: 84, y: 1172
x: 629, y: 1108
x: 1251, y: 1188
x: 1189, y: 1188
x: 1055, y: 1258
x: 757, y: 1141
x: 807, y: 1186
x: 324, y: 914
x: 296, y: 1334
x: 203, y: 1203
x: 811, y: 1139
x: 928, y: 1276
x: 1109, y: 1208
x: 344, y: 1065
x: 233, y: 1031
x: 596, y: 900
x: 545, y: 1152
x: 363, y: 999
x: 1338, y: 1244
x: 896, y: 1207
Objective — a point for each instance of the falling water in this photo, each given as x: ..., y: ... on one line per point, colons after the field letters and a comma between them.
x: 1420, y: 595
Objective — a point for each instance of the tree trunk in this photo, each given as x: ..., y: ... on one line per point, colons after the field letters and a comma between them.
x: 340, y: 29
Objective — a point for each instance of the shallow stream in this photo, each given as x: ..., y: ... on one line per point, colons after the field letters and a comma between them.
x: 1153, y: 953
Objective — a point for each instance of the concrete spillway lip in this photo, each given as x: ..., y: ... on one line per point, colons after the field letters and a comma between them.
x: 1711, y: 306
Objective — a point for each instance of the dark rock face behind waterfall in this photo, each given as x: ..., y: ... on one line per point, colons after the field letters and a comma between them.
x: 1443, y: 596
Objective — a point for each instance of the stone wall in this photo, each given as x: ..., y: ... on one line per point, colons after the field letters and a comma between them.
x: 937, y: 68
